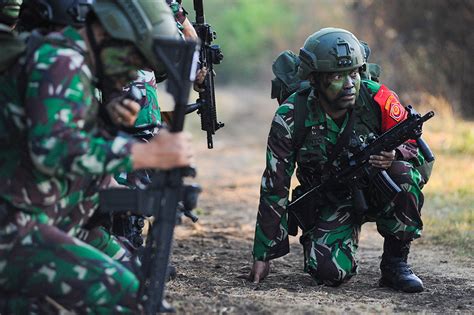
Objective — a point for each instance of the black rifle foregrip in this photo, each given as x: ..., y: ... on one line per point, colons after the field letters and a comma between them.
x: 425, y: 150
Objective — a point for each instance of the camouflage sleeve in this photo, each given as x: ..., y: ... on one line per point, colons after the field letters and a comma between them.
x: 178, y: 11
x: 100, y: 238
x: 61, y: 117
x: 150, y: 111
x: 271, y: 233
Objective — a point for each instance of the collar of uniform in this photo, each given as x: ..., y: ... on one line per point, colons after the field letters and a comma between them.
x: 318, y: 117
x: 333, y: 126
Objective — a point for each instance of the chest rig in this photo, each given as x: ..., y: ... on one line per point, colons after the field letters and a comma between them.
x: 319, y: 143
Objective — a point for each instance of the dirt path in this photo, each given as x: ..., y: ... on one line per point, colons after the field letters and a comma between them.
x: 214, y: 254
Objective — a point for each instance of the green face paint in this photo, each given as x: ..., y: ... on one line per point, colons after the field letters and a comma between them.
x: 10, y: 8
x: 120, y: 63
x: 340, y: 89
x: 119, y: 60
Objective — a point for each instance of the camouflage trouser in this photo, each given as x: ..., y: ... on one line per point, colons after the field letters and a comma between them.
x: 117, y: 248
x: 329, y: 248
x: 37, y: 260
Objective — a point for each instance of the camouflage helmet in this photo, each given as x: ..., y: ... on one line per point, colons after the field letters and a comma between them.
x: 330, y: 50
x: 9, y: 10
x: 50, y: 13
x: 140, y: 22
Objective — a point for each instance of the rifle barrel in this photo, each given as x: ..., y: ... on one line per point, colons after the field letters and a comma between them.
x: 199, y: 8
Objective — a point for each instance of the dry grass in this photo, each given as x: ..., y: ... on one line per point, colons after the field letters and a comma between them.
x: 449, y: 200
x: 449, y: 196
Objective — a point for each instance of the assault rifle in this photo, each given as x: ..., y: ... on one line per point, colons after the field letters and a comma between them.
x: 161, y: 197
x: 209, y: 55
x: 355, y: 172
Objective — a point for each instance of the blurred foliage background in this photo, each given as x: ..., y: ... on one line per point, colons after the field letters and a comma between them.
x: 425, y: 49
x: 422, y: 46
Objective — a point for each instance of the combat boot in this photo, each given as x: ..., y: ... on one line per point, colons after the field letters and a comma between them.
x: 396, y: 273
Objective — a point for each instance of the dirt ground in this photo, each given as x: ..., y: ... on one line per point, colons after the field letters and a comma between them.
x: 213, y: 256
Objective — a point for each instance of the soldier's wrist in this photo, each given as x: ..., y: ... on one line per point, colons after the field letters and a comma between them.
x: 140, y: 154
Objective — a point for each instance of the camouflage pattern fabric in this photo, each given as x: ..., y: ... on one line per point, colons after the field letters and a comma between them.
x: 51, y: 263
x: 148, y: 115
x: 100, y: 238
x: 330, y: 246
x: 178, y: 10
x: 53, y: 162
x: 150, y: 110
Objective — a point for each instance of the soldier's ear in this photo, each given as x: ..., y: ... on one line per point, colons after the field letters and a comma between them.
x: 315, y: 78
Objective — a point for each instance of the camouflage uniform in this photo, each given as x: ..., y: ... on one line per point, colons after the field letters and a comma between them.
x: 150, y: 110
x: 178, y: 11
x: 149, y: 115
x: 329, y: 247
x: 52, y: 164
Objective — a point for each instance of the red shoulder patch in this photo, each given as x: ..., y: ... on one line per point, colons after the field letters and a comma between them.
x: 396, y: 109
x: 392, y: 111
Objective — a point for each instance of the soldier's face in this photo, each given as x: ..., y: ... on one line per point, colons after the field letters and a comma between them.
x: 340, y: 89
x: 120, y: 63
x: 11, y: 8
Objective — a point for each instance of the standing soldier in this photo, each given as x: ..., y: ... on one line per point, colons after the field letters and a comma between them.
x: 54, y: 159
x: 337, y: 105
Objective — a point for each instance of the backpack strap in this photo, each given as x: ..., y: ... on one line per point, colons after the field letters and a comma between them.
x: 300, y: 114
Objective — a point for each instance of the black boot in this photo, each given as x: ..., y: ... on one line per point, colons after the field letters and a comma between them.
x: 396, y: 273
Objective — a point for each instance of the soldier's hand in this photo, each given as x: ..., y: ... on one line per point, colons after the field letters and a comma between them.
x: 164, y: 151
x: 260, y: 270
x: 123, y: 111
x: 384, y: 160
x: 200, y: 77
x: 188, y: 30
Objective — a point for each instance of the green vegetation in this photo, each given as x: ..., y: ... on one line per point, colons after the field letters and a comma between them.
x: 252, y: 33
x: 245, y: 31
x: 448, y: 213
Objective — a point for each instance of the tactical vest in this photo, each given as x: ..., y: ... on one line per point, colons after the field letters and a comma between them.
x: 310, y: 143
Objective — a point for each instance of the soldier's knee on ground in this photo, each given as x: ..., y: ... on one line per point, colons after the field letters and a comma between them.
x: 326, y: 270
x: 329, y: 275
